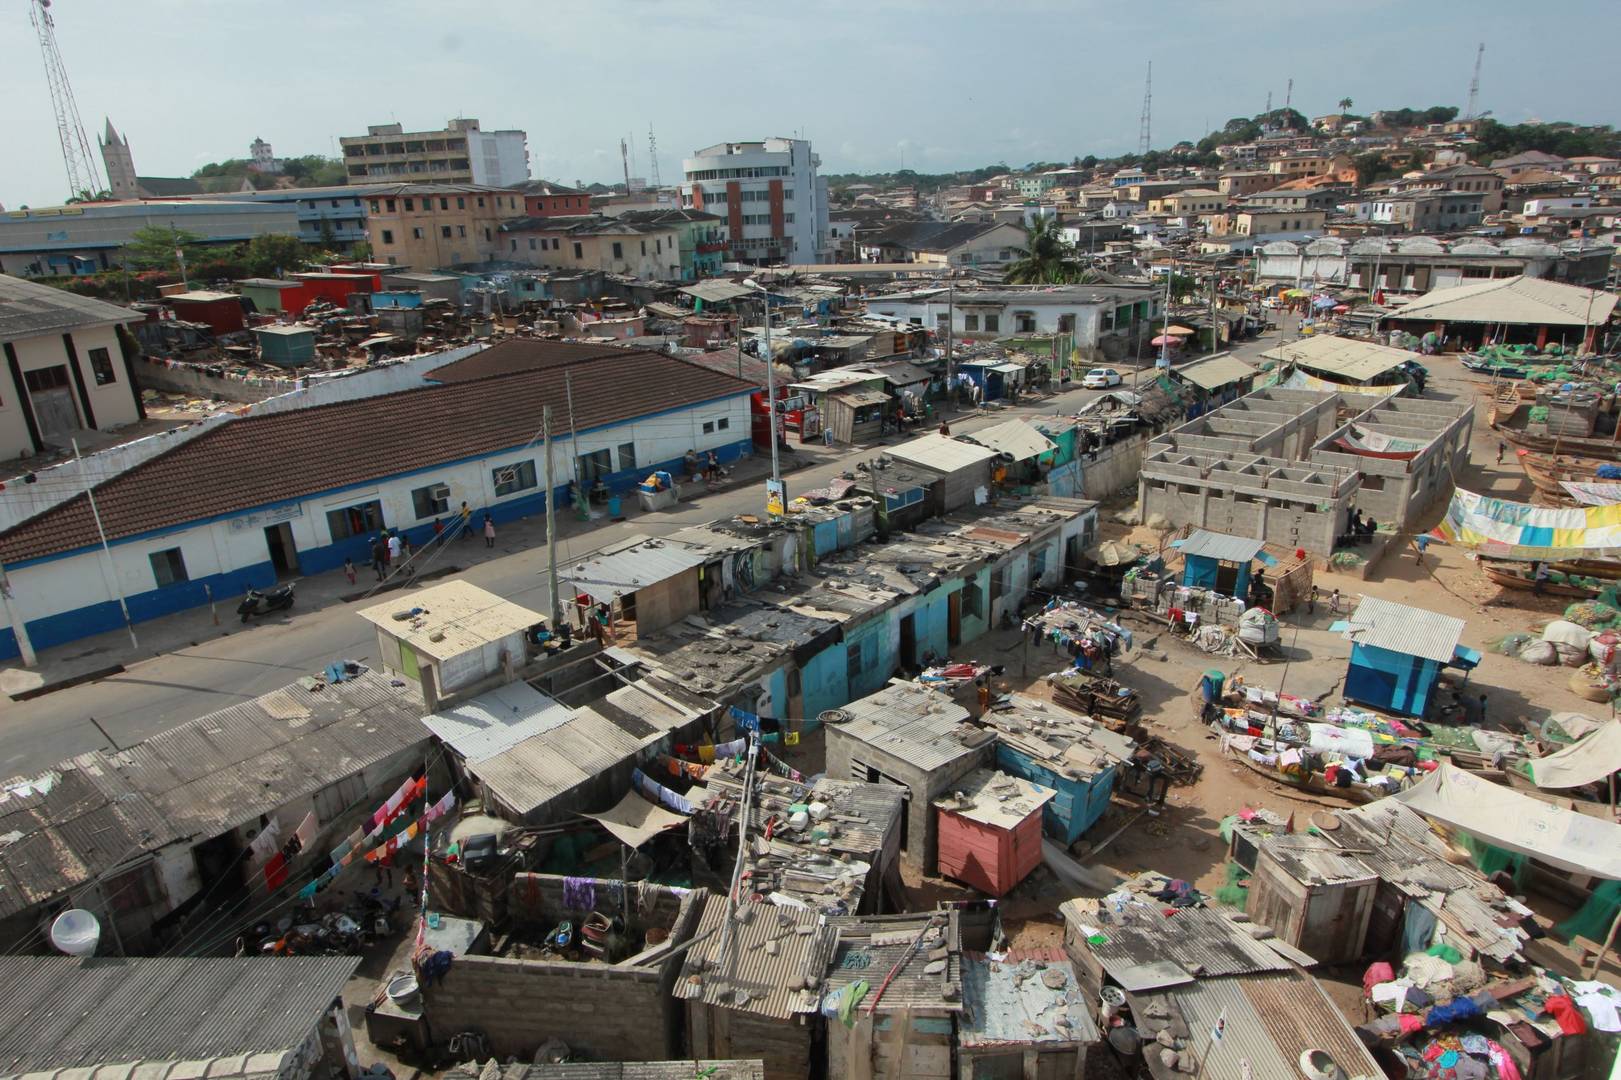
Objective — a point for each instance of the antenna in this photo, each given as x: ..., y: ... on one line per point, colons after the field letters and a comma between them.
x: 80, y: 163
x: 653, y: 159
x: 1474, y: 84
x: 1288, y: 95
x: 1268, y: 113
x: 1143, y: 133
x: 624, y: 159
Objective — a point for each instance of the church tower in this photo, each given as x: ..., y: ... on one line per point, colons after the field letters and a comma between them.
x: 115, y: 154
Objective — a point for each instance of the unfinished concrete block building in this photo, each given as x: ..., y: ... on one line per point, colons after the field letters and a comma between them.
x: 1287, y: 467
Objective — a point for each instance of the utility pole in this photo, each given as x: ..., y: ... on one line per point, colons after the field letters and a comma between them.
x: 18, y: 627
x: 107, y: 568
x: 551, y: 516
x: 951, y: 333
x: 771, y: 396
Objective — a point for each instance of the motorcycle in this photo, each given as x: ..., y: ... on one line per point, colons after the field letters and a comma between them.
x: 263, y: 603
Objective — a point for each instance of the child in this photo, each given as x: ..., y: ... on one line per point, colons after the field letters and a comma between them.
x: 349, y: 570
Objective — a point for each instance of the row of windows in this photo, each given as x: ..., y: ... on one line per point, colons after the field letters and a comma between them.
x: 739, y: 174
x: 444, y: 233
x: 444, y: 204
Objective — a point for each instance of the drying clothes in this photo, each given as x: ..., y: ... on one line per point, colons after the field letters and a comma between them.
x: 745, y: 720
x: 1501, y: 1061
x: 439, y: 809
x: 1564, y: 1010
x: 1454, y: 1011
x: 276, y: 874
x: 1378, y: 972
x: 660, y: 794
x: 434, y: 968
x: 305, y: 833
x: 1418, y: 929
x: 1410, y: 1023
x: 850, y: 1000
x: 267, y: 843
x: 308, y: 891
x: 579, y: 894
x: 1600, y: 1004
x: 690, y: 770
x: 1445, y: 952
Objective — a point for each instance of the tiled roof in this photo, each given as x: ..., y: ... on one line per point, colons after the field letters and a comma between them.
x: 492, y: 402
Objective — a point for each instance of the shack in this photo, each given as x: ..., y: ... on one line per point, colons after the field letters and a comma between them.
x: 648, y: 583
x: 288, y: 346
x: 1024, y: 449
x: 449, y: 638
x: 1347, y: 362
x: 995, y: 378
x: 904, y: 1025
x: 221, y: 312
x: 912, y: 737
x: 752, y: 984
x: 990, y: 830
x: 273, y: 294
x: 852, y: 402
x: 1217, y: 561
x: 956, y: 473
x: 1024, y: 1015
x: 1398, y: 653
x: 1075, y: 756
x: 1213, y: 382
x: 1314, y: 896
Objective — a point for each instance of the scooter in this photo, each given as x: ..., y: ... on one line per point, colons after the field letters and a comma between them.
x: 263, y: 603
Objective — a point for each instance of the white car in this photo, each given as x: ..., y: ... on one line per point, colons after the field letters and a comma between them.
x: 1101, y: 378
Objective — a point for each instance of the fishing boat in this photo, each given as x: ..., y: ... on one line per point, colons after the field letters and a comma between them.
x: 1548, y: 475
x: 1586, y: 446
x: 1517, y: 576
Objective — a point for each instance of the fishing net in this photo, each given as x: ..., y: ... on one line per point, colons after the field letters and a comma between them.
x: 1593, y: 920
x: 1349, y: 560
x: 1509, y: 644
x: 1592, y: 614
x: 1234, y: 894
x: 1489, y: 860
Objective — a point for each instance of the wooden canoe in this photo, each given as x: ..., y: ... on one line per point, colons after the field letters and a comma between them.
x: 1509, y: 577
x: 1603, y: 449
x: 1313, y: 784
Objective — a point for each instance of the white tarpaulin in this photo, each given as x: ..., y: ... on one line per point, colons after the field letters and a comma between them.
x: 1594, y: 758
x: 1593, y: 494
x: 635, y: 820
x: 1516, y: 822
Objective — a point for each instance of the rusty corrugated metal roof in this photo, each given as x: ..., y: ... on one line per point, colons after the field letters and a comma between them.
x: 870, y: 947
x: 773, y: 966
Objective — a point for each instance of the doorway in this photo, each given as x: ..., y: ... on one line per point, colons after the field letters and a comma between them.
x: 909, y: 641
x: 283, y: 551
x: 954, y: 618
x: 52, y: 394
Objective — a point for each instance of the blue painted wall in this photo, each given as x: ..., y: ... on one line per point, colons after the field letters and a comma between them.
x: 822, y: 681
x: 1079, y: 803
x: 878, y: 655
x: 1393, y: 681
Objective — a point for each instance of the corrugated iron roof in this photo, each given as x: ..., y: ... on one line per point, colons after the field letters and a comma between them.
x: 1517, y: 300
x: 772, y: 966
x: 1411, y: 631
x: 941, y: 453
x: 1009, y: 1002
x: 1215, y: 545
x: 910, y: 722
x: 1015, y: 438
x: 1215, y: 373
x: 497, y: 720
x: 1064, y: 741
x: 1172, y: 947
x: 717, y: 292
x: 870, y: 947
x: 995, y: 799
x: 29, y: 309
x: 748, y: 1069
x: 621, y: 569
x: 1348, y: 357
x: 64, y: 1012
x: 1313, y: 860
x: 450, y: 619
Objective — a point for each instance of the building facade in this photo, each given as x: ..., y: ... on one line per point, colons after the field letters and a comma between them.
x: 543, y: 198
x: 327, y: 216
x: 1425, y: 211
x: 651, y: 250
x: 436, y: 225
x: 461, y: 153
x: 65, y: 369
x: 1091, y: 313
x: 701, y: 238
x: 769, y: 192
x: 86, y: 238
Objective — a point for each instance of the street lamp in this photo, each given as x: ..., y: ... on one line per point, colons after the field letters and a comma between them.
x: 771, y: 394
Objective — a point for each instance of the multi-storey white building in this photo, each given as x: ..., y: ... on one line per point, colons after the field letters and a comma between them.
x: 770, y: 195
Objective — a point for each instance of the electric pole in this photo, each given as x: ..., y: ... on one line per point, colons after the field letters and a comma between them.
x: 551, y: 516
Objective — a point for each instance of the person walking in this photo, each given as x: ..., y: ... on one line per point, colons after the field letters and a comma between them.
x: 349, y: 570
x: 379, y: 557
x: 467, y: 521
x: 1334, y: 602
x: 1500, y: 449
x: 945, y: 428
x: 982, y: 695
x: 394, y: 548
x: 1422, y: 542
x: 489, y: 530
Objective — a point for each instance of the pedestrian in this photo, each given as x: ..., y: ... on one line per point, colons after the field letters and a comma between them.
x: 1539, y: 578
x: 692, y: 464
x: 1422, y: 542
x: 409, y: 883
x: 438, y: 528
x: 405, y: 545
x: 489, y: 530
x: 1334, y: 602
x: 394, y: 548
x: 1482, y: 710
x: 711, y: 467
x: 982, y: 694
x: 945, y: 428
x: 467, y: 521
x: 349, y: 570
x: 379, y: 557
x: 385, y: 870
x: 1311, y: 601
x: 1500, y: 449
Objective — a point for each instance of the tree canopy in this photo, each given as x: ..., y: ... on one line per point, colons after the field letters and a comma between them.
x: 1046, y: 259
x: 154, y: 247
x: 310, y: 170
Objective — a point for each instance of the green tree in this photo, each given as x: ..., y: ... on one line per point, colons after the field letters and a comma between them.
x: 153, y: 247
x: 1047, y: 260
x: 361, y: 251
x: 85, y: 195
x: 267, y: 255
x: 1345, y: 104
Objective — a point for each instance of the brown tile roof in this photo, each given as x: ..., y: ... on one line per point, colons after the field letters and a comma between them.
x: 491, y: 402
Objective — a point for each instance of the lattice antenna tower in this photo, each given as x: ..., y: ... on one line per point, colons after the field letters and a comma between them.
x: 1143, y: 135
x: 653, y: 160
x: 1474, y: 84
x: 83, y: 175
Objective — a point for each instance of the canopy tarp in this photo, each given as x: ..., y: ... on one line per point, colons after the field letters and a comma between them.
x: 635, y: 820
x: 1514, y: 822
x: 1593, y: 494
x: 1299, y: 380
x: 1519, y: 530
x: 1588, y: 761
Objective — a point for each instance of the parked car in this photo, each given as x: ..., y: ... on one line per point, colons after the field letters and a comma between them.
x: 1101, y: 378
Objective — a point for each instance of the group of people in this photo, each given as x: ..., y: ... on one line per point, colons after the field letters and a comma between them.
x: 708, y: 469
x: 392, y: 547
x: 1359, y: 528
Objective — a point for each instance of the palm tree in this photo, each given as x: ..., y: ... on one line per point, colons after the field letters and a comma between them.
x: 1046, y: 259
x: 1345, y: 104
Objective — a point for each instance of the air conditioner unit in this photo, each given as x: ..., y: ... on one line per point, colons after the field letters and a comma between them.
x: 439, y: 493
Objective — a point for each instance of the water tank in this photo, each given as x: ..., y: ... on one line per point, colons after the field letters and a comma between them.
x: 76, y: 932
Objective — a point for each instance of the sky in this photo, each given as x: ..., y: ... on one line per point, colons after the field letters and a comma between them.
x: 876, y: 85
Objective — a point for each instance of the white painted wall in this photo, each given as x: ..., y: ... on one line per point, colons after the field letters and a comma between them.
x: 113, y: 403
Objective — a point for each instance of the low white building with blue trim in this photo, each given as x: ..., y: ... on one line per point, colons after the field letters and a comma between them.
x: 283, y: 492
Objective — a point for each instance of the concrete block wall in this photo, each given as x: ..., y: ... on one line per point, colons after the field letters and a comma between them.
x: 603, y: 1013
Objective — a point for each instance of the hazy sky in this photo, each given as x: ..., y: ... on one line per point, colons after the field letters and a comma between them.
x: 940, y: 84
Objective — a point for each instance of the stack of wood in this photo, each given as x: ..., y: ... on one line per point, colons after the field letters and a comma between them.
x: 1101, y: 698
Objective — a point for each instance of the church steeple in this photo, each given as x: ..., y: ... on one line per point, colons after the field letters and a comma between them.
x: 115, y: 154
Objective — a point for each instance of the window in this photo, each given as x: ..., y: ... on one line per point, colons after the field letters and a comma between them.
x: 416, y: 234
x: 709, y: 427
x: 852, y: 661
x: 374, y: 208
x: 431, y: 501
x: 168, y: 567
x: 723, y: 423
x: 619, y: 250
x: 1024, y: 322
x: 644, y: 247
x: 519, y: 476
x: 557, y: 242
x: 970, y: 323
x: 444, y: 203
x: 461, y: 230
x: 444, y: 231
x: 578, y: 252
x: 361, y: 520
x: 515, y: 244
x: 410, y: 204
x: 973, y: 599
x: 481, y: 202
x: 658, y: 246
x: 942, y: 321
x: 627, y: 456
x: 531, y: 243
x: 461, y: 203
x: 388, y: 236
x: 993, y: 324
x: 391, y: 206
x: 101, y: 365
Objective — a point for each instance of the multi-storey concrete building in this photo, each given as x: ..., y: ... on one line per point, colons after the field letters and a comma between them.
x: 770, y: 195
x: 462, y: 153
x: 89, y: 237
x: 439, y: 225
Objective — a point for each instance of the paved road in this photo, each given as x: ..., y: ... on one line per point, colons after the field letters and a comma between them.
x: 170, y: 689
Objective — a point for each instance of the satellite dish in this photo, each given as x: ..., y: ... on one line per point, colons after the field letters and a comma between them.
x: 76, y: 932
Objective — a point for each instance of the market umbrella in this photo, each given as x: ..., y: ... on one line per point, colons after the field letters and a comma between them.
x: 1166, y: 339
x: 1323, y: 303
x: 1342, y: 308
x: 1296, y: 292
x: 1177, y: 330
